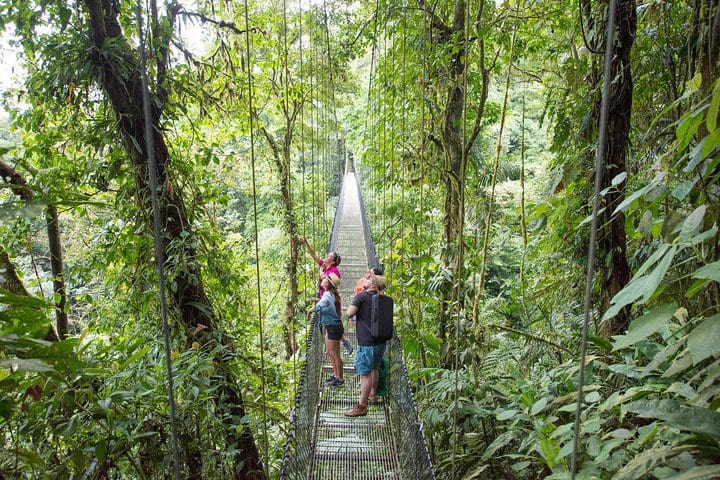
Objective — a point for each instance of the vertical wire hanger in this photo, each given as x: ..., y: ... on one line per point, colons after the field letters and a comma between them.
x: 460, y: 240
x: 159, y: 253
x: 599, y: 165
x: 255, y: 223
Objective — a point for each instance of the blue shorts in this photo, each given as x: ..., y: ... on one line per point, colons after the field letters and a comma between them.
x: 368, y: 358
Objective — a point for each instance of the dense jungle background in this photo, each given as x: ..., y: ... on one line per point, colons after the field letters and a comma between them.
x: 474, y: 129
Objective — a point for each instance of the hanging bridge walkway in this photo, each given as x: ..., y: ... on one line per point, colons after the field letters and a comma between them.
x: 322, y: 442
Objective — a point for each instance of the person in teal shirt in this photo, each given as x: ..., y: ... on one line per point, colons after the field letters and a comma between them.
x: 329, y: 309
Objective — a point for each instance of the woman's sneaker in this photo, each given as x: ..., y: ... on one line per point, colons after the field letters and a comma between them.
x: 331, y: 379
x: 337, y: 382
x: 348, y: 345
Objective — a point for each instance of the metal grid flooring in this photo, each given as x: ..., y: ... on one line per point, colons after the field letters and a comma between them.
x: 344, y: 448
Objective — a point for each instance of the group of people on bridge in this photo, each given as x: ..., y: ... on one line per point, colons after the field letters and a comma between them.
x: 370, y: 349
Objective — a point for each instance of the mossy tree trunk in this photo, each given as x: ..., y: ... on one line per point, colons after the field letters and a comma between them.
x: 117, y: 63
x: 455, y: 139
x: 612, y: 241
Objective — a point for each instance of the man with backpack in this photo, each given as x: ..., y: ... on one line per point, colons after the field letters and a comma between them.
x: 370, y: 349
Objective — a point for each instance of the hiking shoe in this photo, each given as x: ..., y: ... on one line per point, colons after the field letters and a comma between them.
x: 331, y: 379
x: 338, y: 382
x: 348, y: 345
x: 357, y: 411
x: 372, y: 400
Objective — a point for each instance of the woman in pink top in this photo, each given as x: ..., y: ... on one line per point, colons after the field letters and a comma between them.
x: 327, y: 265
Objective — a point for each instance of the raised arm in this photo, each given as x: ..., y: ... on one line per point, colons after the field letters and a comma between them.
x: 351, y: 311
x: 311, y: 250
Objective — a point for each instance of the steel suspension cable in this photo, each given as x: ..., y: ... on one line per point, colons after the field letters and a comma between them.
x: 255, y: 224
x: 382, y: 100
x: 313, y: 129
x: 302, y: 144
x: 599, y: 165
x: 293, y: 325
x: 421, y: 212
x: 373, y: 116
x: 493, y: 182
x: 393, y: 91
x: 330, y: 93
x: 330, y: 68
x: 322, y: 138
x: 460, y: 240
x: 403, y: 132
x: 159, y: 253
x: 523, y: 213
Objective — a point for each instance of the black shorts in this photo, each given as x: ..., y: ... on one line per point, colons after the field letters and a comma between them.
x: 334, y: 331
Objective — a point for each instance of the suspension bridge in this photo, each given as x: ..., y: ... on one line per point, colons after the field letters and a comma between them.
x: 388, y: 443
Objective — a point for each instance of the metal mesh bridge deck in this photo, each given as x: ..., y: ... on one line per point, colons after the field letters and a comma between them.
x: 323, y: 443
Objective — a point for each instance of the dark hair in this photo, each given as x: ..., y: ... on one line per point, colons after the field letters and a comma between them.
x: 378, y: 271
x: 333, y: 289
x: 337, y: 258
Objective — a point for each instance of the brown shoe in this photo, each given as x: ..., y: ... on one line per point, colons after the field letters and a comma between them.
x: 357, y: 411
x: 372, y: 400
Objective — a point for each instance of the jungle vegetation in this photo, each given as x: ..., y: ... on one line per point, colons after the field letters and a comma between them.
x: 474, y: 127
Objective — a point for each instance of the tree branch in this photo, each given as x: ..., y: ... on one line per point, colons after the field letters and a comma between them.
x: 436, y: 22
x: 18, y: 185
x: 162, y: 39
x: 219, y: 23
x: 531, y: 336
x: 97, y: 19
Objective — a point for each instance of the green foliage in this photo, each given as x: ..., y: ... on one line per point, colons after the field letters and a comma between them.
x: 497, y: 394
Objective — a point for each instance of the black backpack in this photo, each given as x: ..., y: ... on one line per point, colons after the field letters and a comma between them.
x: 381, y: 317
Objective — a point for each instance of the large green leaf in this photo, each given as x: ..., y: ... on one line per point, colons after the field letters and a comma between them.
x: 7, y: 298
x: 703, y: 341
x: 662, y: 356
x: 712, y: 115
x: 646, y: 325
x: 645, y: 461
x: 710, y: 271
x: 29, y: 457
x: 499, y: 442
x: 685, y: 417
x: 657, y: 275
x: 710, y: 143
x: 693, y: 222
x: 632, y: 291
x: 643, y: 286
x: 706, y: 472
x: 688, y: 126
x: 25, y: 365
x: 636, y: 195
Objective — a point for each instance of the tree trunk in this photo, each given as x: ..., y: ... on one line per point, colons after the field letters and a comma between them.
x: 13, y: 282
x: 281, y: 156
x: 56, y: 264
x: 10, y: 279
x: 709, y: 15
x: 710, y: 50
x: 454, y: 164
x: 455, y: 141
x: 292, y: 229
x: 612, y: 240
x: 123, y: 88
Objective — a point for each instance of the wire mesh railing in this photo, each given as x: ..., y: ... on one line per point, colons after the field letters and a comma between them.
x: 321, y: 446
x: 300, y: 437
